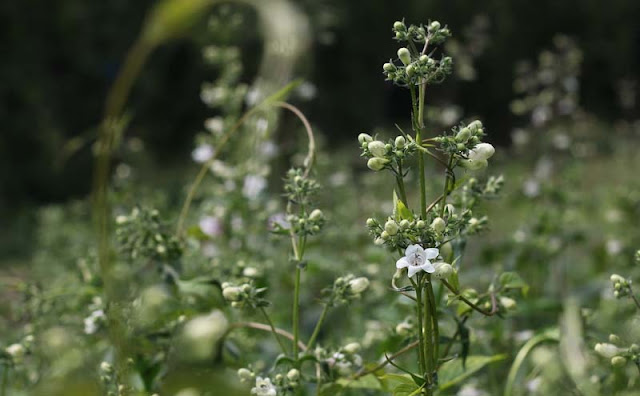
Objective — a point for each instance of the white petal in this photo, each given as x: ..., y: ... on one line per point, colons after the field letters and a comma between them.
x: 402, y: 263
x: 431, y: 253
x: 428, y: 268
x: 411, y: 249
x: 413, y: 270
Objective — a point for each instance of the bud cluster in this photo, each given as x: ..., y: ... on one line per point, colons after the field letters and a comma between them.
x: 385, y: 155
x: 305, y: 224
x: 418, y: 67
x: 141, y: 234
x: 619, y: 355
x: 342, y: 362
x: 298, y: 188
x: 465, y: 142
x: 244, y: 295
x: 346, y: 289
x: 396, y: 234
x: 621, y: 286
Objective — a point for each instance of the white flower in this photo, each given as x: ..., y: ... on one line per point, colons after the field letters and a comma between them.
x: 16, y: 351
x: 202, y: 153
x: 264, y: 387
x: 210, y: 226
x: 482, y: 151
x: 358, y: 285
x: 91, y: 322
x: 253, y: 186
x: 377, y: 148
x: 417, y: 259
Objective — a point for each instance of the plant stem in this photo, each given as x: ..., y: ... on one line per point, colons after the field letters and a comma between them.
x: 445, y: 192
x: 273, y: 330
x: 296, y: 312
x: 428, y: 345
x: 524, y: 351
x: 316, y: 331
x: 421, y: 359
x: 5, y: 379
x: 421, y: 172
x: 434, y: 319
x: 263, y: 327
x: 383, y: 364
x: 494, y: 305
x: 400, y: 182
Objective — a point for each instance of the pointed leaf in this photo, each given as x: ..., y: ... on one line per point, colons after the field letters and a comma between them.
x: 452, y: 373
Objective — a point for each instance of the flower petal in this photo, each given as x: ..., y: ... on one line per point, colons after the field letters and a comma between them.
x: 411, y: 249
x: 413, y: 270
x: 427, y: 267
x: 402, y: 263
x: 431, y: 253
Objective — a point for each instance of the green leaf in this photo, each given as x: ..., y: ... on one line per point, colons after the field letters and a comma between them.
x: 452, y: 372
x: 511, y: 280
x: 406, y: 390
x: 282, y: 94
x: 402, y: 212
x: 368, y: 381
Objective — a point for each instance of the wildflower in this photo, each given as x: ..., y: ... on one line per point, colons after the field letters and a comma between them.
x: 358, y: 285
x: 417, y: 259
x: 364, y: 138
x: 202, y: 153
x: 92, y: 322
x: 264, y: 387
x: 482, y: 151
x: 377, y: 148
x: 377, y: 164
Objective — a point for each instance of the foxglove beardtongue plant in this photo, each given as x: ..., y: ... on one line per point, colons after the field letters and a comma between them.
x: 423, y: 237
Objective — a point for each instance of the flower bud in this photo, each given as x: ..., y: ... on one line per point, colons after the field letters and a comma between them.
x: 106, y: 367
x: 377, y: 148
x: 377, y: 164
x: 404, y: 55
x: 446, y: 251
x: 400, y: 142
x: 482, y: 151
x: 420, y: 224
x: 389, y: 67
x: 443, y: 270
x: 618, y: 361
x: 231, y: 293
x: 358, y: 285
x: 16, y: 351
x: 404, y: 329
x: 463, y: 135
x: 438, y: 224
x: 371, y: 222
x: 398, y: 25
x: 474, y: 164
x: 411, y: 70
x: 634, y: 348
x: 316, y: 215
x: 424, y: 59
x: 606, y: 350
x: 617, y: 278
x: 391, y: 227
x: 352, y: 348
x: 508, y: 303
x: 475, y: 125
x: 363, y: 137
x: 293, y: 375
x: 245, y: 375
x: 614, y: 339
x: 384, y: 235
x: 404, y: 224
x: 434, y: 26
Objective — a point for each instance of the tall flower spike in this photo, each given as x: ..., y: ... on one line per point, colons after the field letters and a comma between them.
x: 417, y: 259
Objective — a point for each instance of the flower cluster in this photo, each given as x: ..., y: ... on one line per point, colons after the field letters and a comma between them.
x: 619, y: 356
x: 345, y: 289
x: 465, y: 143
x: 416, y: 66
x: 342, y: 362
x: 244, y: 295
x: 621, y: 286
x: 264, y: 386
x: 386, y: 155
x: 141, y: 234
x: 399, y: 234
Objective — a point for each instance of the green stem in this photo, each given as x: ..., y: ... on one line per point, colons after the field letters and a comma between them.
x: 434, y: 320
x: 296, y: 311
x: 421, y: 172
x: 447, y: 181
x: 428, y: 345
x: 316, y: 331
x: 400, y: 182
x: 421, y: 359
x: 5, y: 380
x: 522, y: 354
x: 274, y: 331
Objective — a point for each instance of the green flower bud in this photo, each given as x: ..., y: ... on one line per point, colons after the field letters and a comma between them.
x: 424, y: 58
x: 463, y: 135
x: 438, y: 224
x: 443, y: 270
x: 371, y: 222
x: 363, y: 137
x: 398, y: 25
x: 606, y: 350
x: 508, y: 303
x: 293, y: 375
x: 617, y: 278
x: 614, y: 339
x: 404, y: 224
x: 316, y: 215
x: 475, y: 125
x: 634, y: 348
x: 411, y: 70
x: 245, y: 375
x: 404, y: 55
x: 404, y: 329
x: 246, y: 288
x: 391, y: 227
x: 618, y: 361
x: 231, y: 293
x: 377, y: 164
x: 434, y: 26
x: 377, y: 148
x: 420, y: 224
x: 446, y: 251
x: 389, y: 67
x: 400, y: 142
x: 358, y: 285
x: 474, y: 165
x: 384, y: 235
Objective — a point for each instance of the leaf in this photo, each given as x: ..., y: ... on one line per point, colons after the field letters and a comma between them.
x: 406, y: 390
x: 511, y: 280
x: 368, y: 381
x: 452, y: 372
x: 402, y: 212
x: 281, y: 94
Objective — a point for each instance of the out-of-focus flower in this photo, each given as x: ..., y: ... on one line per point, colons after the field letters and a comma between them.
x: 203, y: 153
